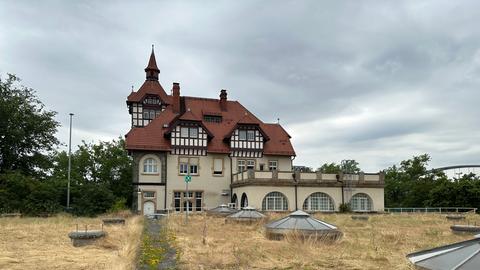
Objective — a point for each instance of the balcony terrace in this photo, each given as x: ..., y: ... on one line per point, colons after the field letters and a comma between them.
x: 310, y: 179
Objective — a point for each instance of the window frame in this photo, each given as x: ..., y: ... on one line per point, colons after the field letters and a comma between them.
x: 145, y: 192
x: 240, y: 133
x: 214, y: 172
x: 271, y: 166
x: 275, y: 201
x: 189, y: 132
x: 244, y: 165
x: 190, y: 165
x: 153, y: 166
x: 252, y: 133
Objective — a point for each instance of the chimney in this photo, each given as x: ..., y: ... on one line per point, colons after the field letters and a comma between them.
x: 176, y: 97
x: 223, y: 99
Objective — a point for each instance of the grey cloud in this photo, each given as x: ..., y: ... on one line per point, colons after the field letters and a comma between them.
x: 413, y: 66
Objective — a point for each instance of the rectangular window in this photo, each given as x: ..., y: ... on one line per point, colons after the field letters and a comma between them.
x: 193, y: 166
x: 176, y: 200
x: 250, y: 135
x: 242, y: 135
x: 149, y: 194
x: 212, y: 118
x: 188, y: 166
x: 218, y: 166
x: 184, y: 132
x: 198, y: 201
x: 183, y: 168
x: 193, y: 132
x: 272, y: 165
x: 262, y: 167
x: 149, y: 114
x: 250, y: 164
x: 241, y: 165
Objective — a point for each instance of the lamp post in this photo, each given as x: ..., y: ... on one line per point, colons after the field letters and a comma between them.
x: 69, y: 162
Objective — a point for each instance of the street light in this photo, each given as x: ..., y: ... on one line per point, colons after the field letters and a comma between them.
x: 69, y: 162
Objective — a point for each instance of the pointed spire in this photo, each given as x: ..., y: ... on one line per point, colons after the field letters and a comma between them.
x: 152, y: 70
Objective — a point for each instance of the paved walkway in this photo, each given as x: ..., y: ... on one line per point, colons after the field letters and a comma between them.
x: 155, y: 242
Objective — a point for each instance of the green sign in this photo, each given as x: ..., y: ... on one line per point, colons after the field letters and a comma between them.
x: 188, y: 178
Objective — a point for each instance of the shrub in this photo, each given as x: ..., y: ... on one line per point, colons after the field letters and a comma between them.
x: 344, y: 208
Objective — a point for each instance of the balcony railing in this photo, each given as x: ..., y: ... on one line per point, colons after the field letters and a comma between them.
x: 304, y: 178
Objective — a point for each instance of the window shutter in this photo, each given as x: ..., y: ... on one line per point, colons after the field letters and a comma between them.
x: 217, y: 165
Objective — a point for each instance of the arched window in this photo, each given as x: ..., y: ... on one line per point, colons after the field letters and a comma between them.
x: 244, y: 201
x: 275, y: 201
x: 318, y: 201
x: 235, y: 200
x: 150, y: 166
x: 361, y: 202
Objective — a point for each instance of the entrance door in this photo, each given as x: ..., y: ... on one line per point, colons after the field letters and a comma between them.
x: 148, y: 208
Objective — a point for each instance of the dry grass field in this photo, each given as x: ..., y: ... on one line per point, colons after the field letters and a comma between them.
x: 379, y: 243
x: 43, y: 243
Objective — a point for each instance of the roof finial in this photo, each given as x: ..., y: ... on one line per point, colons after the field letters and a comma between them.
x: 278, y: 120
x: 132, y: 88
x: 152, y: 70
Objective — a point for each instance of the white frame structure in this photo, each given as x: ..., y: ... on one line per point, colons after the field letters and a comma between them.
x: 361, y: 202
x: 150, y: 166
x: 275, y: 201
x: 319, y: 202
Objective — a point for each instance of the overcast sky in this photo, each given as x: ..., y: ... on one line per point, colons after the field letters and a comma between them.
x: 375, y: 81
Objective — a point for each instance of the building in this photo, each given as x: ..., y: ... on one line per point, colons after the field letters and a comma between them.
x: 231, y: 155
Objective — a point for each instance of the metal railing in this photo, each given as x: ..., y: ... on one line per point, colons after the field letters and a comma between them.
x: 431, y: 210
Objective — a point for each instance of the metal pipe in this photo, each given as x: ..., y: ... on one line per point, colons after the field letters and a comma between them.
x: 69, y: 162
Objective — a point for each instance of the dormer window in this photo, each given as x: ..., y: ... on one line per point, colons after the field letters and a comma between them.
x: 150, y: 114
x: 212, y: 118
x: 242, y: 135
x: 246, y: 135
x: 189, y: 132
x: 250, y: 135
x: 151, y: 101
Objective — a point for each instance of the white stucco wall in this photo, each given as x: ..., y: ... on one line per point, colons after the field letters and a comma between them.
x: 211, y: 185
x: 157, y: 200
x: 256, y: 194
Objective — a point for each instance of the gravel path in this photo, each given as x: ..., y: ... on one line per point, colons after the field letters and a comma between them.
x: 153, y: 228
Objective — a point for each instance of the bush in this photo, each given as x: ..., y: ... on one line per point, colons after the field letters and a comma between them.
x: 119, y: 205
x: 27, y: 195
x: 91, y: 199
x: 344, y: 208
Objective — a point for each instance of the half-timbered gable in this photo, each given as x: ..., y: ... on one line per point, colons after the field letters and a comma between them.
x: 150, y: 100
x: 189, y: 138
x: 147, y: 110
x: 247, y: 141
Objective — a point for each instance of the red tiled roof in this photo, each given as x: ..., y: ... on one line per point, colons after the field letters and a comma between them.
x: 152, y: 63
x: 149, y: 88
x: 151, y: 137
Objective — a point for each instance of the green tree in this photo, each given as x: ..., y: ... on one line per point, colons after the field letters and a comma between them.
x: 409, y: 184
x: 330, y: 168
x: 105, y: 166
x: 350, y: 166
x: 27, y: 129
